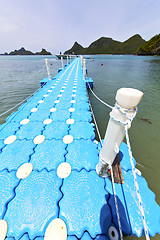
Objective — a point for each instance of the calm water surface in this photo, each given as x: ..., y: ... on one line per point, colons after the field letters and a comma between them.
x: 18, y: 80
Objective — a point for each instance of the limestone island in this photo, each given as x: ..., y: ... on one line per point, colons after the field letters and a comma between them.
x: 23, y: 51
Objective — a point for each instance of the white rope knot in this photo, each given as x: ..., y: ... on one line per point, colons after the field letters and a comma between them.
x: 129, y: 113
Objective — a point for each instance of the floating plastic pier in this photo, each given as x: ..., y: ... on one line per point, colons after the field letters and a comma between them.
x: 49, y: 185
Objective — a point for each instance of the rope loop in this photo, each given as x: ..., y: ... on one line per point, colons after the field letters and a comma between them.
x: 128, y: 113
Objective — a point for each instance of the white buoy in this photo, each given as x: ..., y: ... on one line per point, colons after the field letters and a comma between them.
x: 71, y: 109
x: 10, y: 139
x: 24, y: 121
x: 70, y: 121
x: 24, y: 170
x: 39, y: 139
x: 34, y: 109
x: 64, y: 170
x: 72, y: 101
x: 41, y: 101
x: 67, y: 139
x: 127, y: 98
x: 56, y: 230
x: 3, y: 229
x: 56, y: 101
x: 47, y: 121
x: 45, y: 95
x: 53, y: 109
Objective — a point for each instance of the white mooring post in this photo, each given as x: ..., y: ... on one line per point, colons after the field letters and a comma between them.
x: 70, y: 58
x: 67, y: 59
x: 81, y: 61
x: 127, y: 99
x: 62, y: 62
x: 49, y: 75
x: 84, y: 68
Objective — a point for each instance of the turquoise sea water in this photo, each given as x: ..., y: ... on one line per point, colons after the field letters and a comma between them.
x: 18, y: 80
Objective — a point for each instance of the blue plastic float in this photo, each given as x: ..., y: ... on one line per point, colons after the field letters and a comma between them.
x: 83, y: 200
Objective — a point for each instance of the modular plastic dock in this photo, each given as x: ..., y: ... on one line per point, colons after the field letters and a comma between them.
x: 55, y: 127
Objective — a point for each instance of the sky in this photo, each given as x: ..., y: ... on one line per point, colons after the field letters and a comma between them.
x: 56, y: 24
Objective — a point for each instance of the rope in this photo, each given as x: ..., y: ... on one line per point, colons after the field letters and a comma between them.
x: 136, y: 185
x: 116, y: 203
x: 22, y: 80
x: 96, y: 124
x: 112, y: 177
x: 18, y: 103
x: 98, y: 97
x: 127, y: 124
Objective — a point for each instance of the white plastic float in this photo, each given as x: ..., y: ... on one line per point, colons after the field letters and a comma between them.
x: 10, y: 139
x: 24, y: 170
x: 64, y: 170
x: 70, y: 121
x: 24, y: 121
x: 47, y: 121
x: 3, y: 229
x: 34, y: 109
x: 39, y: 139
x: 56, y: 230
x: 67, y: 139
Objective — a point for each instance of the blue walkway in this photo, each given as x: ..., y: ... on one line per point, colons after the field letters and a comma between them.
x: 83, y: 200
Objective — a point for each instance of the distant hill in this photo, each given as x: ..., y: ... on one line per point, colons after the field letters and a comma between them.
x: 103, y: 45
x: 106, y: 45
x: 77, y: 49
x: 43, y: 52
x: 151, y: 47
x: 131, y: 45
x: 23, y: 51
